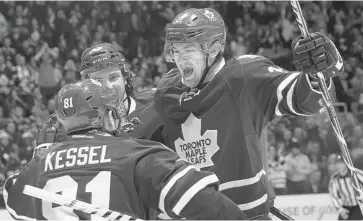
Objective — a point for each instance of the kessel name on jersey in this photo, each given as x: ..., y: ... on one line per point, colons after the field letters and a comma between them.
x: 76, y: 157
x: 196, y: 148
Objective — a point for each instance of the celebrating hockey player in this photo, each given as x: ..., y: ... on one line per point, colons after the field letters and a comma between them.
x: 103, y: 61
x: 125, y: 175
x: 214, y: 110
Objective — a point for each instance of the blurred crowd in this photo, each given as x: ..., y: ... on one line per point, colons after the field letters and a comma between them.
x: 302, y: 151
x: 41, y: 44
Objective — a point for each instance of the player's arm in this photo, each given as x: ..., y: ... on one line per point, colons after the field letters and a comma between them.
x: 175, y: 187
x: 19, y: 205
x: 275, y: 91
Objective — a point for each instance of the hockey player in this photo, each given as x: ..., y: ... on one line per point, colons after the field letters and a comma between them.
x: 103, y: 61
x: 214, y: 110
x: 125, y: 175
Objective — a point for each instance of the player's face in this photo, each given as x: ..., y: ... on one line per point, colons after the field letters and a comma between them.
x: 113, y: 76
x: 190, y: 61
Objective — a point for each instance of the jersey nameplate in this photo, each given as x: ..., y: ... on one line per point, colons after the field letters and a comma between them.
x: 76, y: 156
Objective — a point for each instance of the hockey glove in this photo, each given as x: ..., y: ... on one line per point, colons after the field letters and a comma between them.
x: 50, y: 131
x: 317, y: 53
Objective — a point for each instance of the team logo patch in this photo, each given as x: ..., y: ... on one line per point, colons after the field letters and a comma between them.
x: 180, y: 18
x: 209, y: 15
x: 196, y: 148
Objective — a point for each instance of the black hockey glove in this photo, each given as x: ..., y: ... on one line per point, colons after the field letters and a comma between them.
x: 317, y: 53
x: 50, y: 131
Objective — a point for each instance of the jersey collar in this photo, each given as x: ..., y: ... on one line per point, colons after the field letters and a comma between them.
x: 132, y: 105
x: 215, y: 69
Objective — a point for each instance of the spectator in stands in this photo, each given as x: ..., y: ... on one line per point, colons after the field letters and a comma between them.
x: 49, y: 75
x: 317, y: 164
x: 70, y: 69
x: 276, y: 170
x: 298, y: 171
x: 299, y: 136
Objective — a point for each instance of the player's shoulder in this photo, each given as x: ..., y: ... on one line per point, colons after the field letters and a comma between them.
x: 249, y: 60
x: 145, y: 96
x: 247, y: 66
x: 142, y: 144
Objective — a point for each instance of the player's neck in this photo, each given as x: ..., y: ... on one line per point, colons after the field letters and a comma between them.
x: 214, y: 70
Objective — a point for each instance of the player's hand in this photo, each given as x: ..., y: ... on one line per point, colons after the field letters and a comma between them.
x: 49, y: 131
x: 317, y: 53
x: 344, y: 213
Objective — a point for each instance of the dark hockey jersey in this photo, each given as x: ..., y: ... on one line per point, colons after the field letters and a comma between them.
x: 128, y: 176
x: 218, y: 128
x: 147, y: 122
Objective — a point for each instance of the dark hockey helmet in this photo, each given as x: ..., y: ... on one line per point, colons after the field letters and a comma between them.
x: 204, y: 26
x: 103, y: 56
x: 83, y: 105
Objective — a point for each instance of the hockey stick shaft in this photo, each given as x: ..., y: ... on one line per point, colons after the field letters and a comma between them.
x: 332, y: 113
x: 75, y: 204
x: 279, y: 214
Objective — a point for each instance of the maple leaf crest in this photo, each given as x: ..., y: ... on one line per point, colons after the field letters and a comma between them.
x: 196, y: 148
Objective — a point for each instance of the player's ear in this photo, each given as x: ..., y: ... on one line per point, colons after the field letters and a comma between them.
x: 214, y: 49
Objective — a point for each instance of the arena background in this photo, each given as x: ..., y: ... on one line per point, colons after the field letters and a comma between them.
x: 41, y: 44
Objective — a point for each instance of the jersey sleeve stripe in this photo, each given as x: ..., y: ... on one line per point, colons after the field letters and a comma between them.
x: 125, y: 218
x: 243, y: 182
x: 253, y: 204
x: 190, y: 193
x: 170, y: 184
x: 10, y: 210
x: 281, y: 87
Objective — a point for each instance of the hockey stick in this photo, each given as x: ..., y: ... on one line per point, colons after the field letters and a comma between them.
x: 75, y: 204
x: 279, y: 214
x: 332, y: 114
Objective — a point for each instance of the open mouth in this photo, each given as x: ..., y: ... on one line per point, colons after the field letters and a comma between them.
x: 187, y: 72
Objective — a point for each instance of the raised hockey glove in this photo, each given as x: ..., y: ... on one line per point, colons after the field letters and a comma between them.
x: 317, y: 53
x: 50, y: 131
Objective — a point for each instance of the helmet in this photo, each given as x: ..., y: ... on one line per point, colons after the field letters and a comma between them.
x: 103, y: 56
x: 204, y: 26
x: 83, y: 105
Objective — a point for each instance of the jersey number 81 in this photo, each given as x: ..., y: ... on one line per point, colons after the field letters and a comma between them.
x: 99, y: 187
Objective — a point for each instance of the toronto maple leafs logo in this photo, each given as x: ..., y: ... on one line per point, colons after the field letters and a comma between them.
x: 196, y: 148
x: 180, y: 18
x: 209, y: 15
